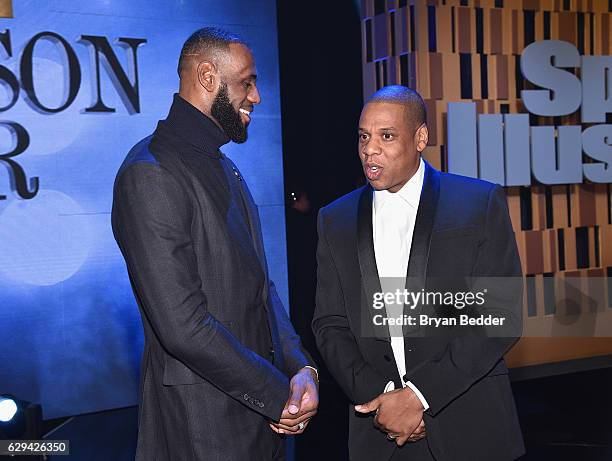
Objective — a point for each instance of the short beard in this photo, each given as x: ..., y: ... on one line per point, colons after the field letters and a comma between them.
x: 228, y: 117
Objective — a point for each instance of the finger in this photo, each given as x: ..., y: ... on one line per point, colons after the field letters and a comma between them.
x: 294, y: 402
x: 415, y: 438
x: 377, y: 423
x: 291, y: 427
x: 381, y: 423
x: 368, y: 407
x: 293, y: 421
x: 401, y: 440
x: 304, y: 410
x: 293, y: 430
x: 274, y: 428
x: 310, y: 400
x: 381, y: 426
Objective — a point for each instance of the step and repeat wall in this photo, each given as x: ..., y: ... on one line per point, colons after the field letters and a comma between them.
x: 82, y: 82
x: 520, y: 93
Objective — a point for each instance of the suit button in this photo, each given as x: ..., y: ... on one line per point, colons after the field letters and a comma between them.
x: 387, y: 358
x: 245, y: 396
x: 261, y: 404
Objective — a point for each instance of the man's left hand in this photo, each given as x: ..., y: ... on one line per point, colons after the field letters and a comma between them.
x: 301, y: 405
x: 398, y: 413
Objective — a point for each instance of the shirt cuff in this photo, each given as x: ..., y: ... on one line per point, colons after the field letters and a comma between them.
x: 419, y: 395
x: 315, y: 370
x: 389, y: 387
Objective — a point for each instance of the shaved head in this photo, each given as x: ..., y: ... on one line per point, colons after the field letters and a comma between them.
x: 415, y: 110
x: 210, y: 44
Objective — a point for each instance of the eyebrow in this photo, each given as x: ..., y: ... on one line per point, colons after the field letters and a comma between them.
x: 251, y: 77
x: 246, y: 68
x: 380, y: 129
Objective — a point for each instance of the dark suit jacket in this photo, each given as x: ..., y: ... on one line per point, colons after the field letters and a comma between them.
x: 462, y: 229
x: 219, y: 346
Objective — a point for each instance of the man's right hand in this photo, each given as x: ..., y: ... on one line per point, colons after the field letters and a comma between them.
x: 301, y: 405
x: 418, y: 433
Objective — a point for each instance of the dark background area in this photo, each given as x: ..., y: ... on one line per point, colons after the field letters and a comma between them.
x: 321, y: 99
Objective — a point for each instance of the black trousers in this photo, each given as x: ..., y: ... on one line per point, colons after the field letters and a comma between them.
x: 413, y: 451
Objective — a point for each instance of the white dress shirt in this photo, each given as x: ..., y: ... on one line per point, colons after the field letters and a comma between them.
x: 393, y: 219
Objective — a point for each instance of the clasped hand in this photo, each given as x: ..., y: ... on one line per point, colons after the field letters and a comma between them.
x: 398, y: 413
x: 301, y: 406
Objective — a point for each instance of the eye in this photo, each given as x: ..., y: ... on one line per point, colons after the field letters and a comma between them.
x: 363, y: 137
x: 387, y: 136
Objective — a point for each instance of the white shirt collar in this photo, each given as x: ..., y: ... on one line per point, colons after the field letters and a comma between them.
x: 410, y: 192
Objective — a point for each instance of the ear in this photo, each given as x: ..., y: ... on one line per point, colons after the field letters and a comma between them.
x: 421, y: 138
x: 207, y: 75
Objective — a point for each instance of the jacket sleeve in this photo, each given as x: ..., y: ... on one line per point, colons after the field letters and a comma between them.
x: 152, y: 219
x: 467, y: 359
x: 335, y: 340
x: 294, y: 354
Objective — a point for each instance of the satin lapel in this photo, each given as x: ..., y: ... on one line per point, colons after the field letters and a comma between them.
x: 367, y: 261
x: 419, y: 250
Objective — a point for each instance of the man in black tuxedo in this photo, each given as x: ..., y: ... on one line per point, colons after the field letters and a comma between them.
x: 418, y: 394
x: 223, y: 371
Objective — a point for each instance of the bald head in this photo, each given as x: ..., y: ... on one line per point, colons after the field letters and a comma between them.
x: 415, y: 111
x: 206, y: 44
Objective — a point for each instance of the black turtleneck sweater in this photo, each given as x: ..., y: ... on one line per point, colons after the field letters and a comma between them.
x: 196, y: 137
x: 192, y: 128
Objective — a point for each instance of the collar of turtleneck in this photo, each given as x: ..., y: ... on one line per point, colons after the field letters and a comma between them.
x: 194, y: 128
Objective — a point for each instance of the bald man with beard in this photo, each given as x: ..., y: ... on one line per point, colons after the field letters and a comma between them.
x: 223, y: 372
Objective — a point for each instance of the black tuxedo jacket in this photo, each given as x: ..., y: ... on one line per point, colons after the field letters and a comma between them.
x: 219, y: 346
x: 462, y: 229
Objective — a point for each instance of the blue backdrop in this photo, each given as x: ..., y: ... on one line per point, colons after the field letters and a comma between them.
x: 70, y: 331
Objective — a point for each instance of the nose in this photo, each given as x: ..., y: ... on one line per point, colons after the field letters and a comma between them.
x: 253, y: 96
x: 370, y: 148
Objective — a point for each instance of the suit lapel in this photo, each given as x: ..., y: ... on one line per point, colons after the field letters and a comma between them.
x: 419, y: 249
x: 367, y: 262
